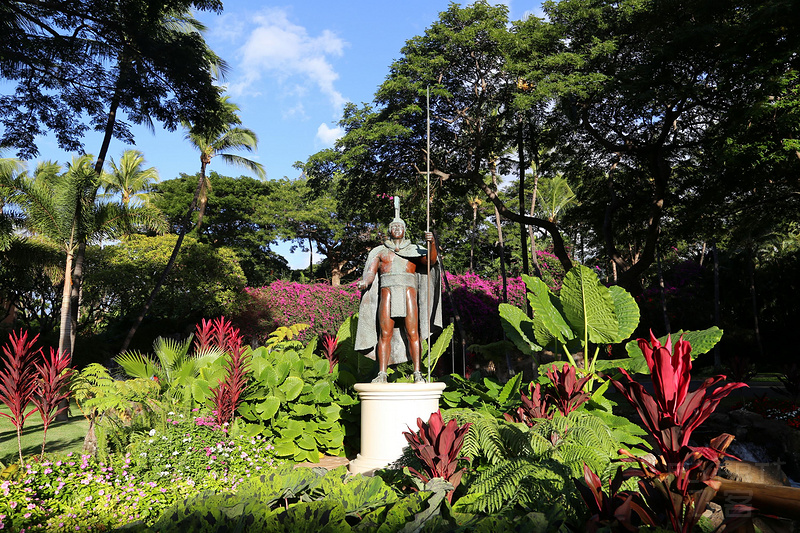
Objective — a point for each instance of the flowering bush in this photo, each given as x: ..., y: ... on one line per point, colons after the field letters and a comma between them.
x: 190, y: 445
x: 284, y: 303
x: 76, y: 493
x: 477, y: 300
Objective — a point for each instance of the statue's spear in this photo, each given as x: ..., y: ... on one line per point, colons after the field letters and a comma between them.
x: 428, y: 214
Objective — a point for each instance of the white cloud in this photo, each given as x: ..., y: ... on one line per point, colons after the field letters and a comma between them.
x: 327, y: 135
x: 279, y: 48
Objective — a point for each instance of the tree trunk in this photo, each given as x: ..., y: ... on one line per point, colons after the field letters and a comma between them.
x: 751, y: 273
x: 80, y: 254
x: 663, y: 294
x: 472, y: 239
x: 715, y: 255
x: 171, y: 262
x: 523, y: 232
x: 65, y: 333
x: 531, y: 234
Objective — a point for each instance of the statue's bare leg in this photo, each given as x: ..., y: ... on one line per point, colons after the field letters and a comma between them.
x: 386, y: 326
x: 412, y: 332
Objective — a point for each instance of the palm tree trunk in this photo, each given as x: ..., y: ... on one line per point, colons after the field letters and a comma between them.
x: 523, y: 233
x: 65, y: 334
x: 531, y: 234
x: 80, y: 254
x: 171, y: 262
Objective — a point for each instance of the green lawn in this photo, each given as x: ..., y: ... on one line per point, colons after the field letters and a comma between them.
x: 61, y: 437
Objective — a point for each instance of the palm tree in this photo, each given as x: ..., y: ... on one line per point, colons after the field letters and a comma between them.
x: 61, y: 209
x: 222, y: 141
x: 130, y: 179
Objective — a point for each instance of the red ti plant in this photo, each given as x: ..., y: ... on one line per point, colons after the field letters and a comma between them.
x: 672, y: 413
x: 624, y: 508
x: 567, y: 393
x: 218, y: 333
x: 438, y: 446
x: 228, y: 393
x: 329, y: 344
x: 670, y: 416
x: 532, y: 408
x: 54, y: 375
x: 18, y: 380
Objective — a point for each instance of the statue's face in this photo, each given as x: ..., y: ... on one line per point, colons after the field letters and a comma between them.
x: 397, y: 231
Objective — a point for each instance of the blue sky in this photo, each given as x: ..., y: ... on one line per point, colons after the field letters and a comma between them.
x: 292, y: 68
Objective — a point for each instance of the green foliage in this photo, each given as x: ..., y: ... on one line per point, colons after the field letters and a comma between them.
x: 701, y: 341
x: 206, y: 281
x: 531, y: 483
x: 485, y: 394
x: 173, y: 367
x: 585, y: 311
x: 293, y: 399
x: 234, y: 218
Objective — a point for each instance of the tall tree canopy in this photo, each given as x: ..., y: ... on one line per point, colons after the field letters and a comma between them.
x: 78, y: 59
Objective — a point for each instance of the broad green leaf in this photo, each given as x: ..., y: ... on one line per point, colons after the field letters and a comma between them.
x: 439, y: 347
x: 321, y: 391
x: 303, y: 409
x: 311, y: 347
x: 626, y: 310
x: 313, y: 517
x: 511, y: 388
x: 701, y: 341
x: 330, y: 412
x: 200, y: 391
x: 292, y: 429
x: 268, y: 375
x: 519, y: 328
x: 268, y: 407
x: 588, y: 305
x: 306, y: 441
x: 321, y: 367
x: 291, y: 387
x: 285, y: 447
x: 548, y: 322
x: 282, y: 368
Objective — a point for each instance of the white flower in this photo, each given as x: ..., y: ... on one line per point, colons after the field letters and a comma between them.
x: 152, y: 432
x: 175, y: 452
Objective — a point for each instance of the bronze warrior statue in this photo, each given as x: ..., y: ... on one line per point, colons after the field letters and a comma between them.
x: 395, y: 279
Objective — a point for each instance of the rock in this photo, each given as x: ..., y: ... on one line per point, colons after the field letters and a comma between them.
x: 749, y: 472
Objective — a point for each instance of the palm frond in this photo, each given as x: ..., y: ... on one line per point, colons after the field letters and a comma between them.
x: 138, y: 365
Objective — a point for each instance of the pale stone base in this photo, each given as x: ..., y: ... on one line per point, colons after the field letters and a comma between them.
x: 387, y: 410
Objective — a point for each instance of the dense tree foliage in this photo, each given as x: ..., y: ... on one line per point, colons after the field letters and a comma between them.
x: 81, y: 59
x: 237, y: 216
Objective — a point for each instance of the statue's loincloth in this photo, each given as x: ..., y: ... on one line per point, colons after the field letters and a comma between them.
x: 398, y: 284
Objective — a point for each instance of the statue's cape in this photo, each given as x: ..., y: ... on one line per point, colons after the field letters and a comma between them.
x: 368, y: 330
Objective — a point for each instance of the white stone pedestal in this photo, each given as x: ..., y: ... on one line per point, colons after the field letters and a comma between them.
x: 387, y: 410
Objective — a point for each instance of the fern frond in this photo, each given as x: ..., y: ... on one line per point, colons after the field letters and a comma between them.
x: 483, y: 441
x: 526, y: 481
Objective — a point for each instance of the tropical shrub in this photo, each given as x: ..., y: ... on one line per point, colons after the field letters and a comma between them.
x: 585, y: 311
x: 438, y: 445
x: 678, y: 484
x: 284, y: 303
x: 206, y: 281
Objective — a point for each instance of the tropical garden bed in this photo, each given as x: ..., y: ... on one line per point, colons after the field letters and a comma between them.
x: 205, y: 433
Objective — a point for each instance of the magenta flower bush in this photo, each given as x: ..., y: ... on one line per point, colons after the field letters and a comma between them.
x: 325, y: 308
x: 285, y: 303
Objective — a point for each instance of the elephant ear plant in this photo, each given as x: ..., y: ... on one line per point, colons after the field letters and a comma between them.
x: 678, y: 485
